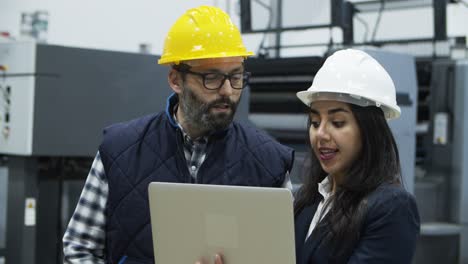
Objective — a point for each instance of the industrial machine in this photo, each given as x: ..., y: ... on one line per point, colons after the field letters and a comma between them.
x: 441, y: 186
x: 55, y: 101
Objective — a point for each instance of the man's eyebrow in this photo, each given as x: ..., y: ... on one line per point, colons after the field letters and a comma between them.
x: 214, y: 70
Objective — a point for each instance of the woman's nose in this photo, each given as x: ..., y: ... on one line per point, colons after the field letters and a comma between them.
x: 322, y: 132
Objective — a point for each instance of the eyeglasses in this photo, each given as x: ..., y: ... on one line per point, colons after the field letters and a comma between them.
x: 214, y: 80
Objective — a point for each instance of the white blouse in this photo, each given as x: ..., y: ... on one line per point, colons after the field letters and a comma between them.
x: 325, y: 189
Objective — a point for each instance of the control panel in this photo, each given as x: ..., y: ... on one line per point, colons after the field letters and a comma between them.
x: 16, y: 98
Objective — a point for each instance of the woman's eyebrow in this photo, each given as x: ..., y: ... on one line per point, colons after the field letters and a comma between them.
x: 336, y: 110
x: 330, y: 111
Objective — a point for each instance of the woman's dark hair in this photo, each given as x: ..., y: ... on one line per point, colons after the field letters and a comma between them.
x: 377, y: 163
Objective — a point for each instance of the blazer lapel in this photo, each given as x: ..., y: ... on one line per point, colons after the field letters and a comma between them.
x: 313, y: 242
x: 304, y: 248
x: 303, y: 222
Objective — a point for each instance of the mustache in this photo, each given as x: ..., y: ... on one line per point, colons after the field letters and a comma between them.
x: 222, y: 100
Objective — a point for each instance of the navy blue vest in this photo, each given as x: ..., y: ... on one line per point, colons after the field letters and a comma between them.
x: 151, y: 149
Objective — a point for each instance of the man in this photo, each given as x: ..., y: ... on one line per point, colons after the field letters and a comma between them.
x: 194, y: 141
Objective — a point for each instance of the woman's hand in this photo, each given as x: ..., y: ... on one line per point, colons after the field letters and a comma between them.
x: 218, y: 260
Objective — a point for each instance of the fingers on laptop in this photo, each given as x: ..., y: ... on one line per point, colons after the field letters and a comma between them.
x: 201, y: 261
x: 218, y: 259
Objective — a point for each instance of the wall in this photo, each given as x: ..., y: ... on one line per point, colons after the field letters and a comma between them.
x: 394, y: 24
x: 123, y: 25
x: 106, y: 24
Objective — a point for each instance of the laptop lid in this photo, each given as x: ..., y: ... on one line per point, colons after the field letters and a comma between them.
x: 245, y: 224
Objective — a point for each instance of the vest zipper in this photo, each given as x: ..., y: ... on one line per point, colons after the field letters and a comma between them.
x: 199, y: 178
x: 184, y: 170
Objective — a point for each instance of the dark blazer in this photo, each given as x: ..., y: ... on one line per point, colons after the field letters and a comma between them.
x: 388, y: 234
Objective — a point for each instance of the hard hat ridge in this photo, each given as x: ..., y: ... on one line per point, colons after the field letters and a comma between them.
x: 208, y: 15
x: 202, y: 33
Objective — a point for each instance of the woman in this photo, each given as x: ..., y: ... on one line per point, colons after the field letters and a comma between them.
x: 352, y: 207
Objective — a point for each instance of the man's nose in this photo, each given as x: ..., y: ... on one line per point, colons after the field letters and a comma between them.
x: 226, y: 89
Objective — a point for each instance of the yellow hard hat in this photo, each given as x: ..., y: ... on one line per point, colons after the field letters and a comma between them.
x: 201, y: 33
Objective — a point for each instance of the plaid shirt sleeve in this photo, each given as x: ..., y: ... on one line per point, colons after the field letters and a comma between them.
x: 84, y: 239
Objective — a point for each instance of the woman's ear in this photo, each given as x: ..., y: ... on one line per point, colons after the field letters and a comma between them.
x: 175, y: 81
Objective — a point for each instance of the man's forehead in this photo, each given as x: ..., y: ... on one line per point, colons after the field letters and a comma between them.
x: 215, y: 61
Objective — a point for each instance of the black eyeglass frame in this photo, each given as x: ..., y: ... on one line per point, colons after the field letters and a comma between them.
x: 245, y: 78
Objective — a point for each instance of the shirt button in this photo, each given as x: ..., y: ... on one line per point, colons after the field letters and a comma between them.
x: 193, y: 168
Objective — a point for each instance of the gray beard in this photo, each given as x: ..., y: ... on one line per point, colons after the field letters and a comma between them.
x: 197, y: 114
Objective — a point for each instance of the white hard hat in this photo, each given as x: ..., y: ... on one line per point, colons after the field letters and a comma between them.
x: 353, y: 76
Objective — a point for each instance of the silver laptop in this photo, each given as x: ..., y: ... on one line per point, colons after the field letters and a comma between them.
x: 246, y: 224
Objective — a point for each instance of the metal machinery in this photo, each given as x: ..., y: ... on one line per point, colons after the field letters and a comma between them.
x: 55, y: 102
x: 442, y: 161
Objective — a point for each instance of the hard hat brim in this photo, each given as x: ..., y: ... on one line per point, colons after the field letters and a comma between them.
x: 177, y: 60
x: 308, y: 97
